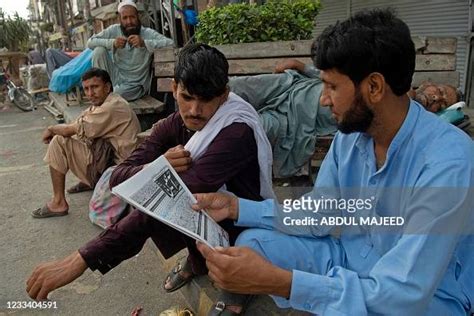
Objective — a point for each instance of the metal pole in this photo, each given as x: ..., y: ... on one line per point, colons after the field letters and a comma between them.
x: 173, y: 24
x: 88, y: 16
x: 63, y: 24
x: 155, y: 15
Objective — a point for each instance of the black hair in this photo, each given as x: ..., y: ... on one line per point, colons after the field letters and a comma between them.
x: 97, y: 72
x: 373, y: 41
x: 202, y: 70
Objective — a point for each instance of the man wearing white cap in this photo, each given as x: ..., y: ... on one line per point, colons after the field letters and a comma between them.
x: 125, y: 50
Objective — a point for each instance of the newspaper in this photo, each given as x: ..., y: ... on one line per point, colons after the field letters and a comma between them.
x: 158, y: 191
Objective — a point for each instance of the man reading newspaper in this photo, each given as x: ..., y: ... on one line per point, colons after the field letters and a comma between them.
x: 408, y: 164
x: 224, y: 145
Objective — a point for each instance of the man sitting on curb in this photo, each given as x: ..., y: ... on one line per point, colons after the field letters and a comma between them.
x: 103, y: 134
x: 131, y: 47
x: 224, y: 145
x: 406, y: 247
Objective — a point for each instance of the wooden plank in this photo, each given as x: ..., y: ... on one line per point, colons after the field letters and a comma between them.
x: 435, y: 62
x: 440, y: 45
x: 164, y: 69
x: 164, y: 84
x: 266, y: 49
x: 444, y: 77
x: 42, y: 90
x: 236, y: 66
x: 248, y: 50
x: 12, y: 54
x: 165, y: 54
x: 296, y: 48
x: 147, y: 105
x: 419, y: 41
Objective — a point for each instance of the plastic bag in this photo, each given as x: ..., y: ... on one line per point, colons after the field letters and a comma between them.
x: 105, y: 208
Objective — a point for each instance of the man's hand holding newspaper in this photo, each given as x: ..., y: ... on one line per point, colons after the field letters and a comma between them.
x: 158, y: 191
x: 219, y: 206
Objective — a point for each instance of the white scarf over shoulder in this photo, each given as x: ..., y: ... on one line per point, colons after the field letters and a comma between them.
x: 236, y: 110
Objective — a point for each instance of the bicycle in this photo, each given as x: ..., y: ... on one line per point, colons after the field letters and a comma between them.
x: 18, y: 95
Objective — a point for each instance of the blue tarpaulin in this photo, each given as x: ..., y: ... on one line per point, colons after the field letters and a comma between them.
x: 69, y: 75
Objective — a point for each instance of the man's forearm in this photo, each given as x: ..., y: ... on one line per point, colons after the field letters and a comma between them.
x: 65, y: 130
x: 94, y: 42
x: 77, y: 263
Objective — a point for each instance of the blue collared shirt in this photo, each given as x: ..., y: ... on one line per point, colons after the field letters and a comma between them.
x: 398, y: 272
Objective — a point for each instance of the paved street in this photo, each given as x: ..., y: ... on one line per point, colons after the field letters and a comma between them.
x: 25, y: 242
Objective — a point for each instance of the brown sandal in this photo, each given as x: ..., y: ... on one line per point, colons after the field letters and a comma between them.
x: 176, y: 279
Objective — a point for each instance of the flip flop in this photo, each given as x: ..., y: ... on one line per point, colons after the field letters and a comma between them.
x: 44, y: 212
x: 79, y: 187
x: 176, y: 279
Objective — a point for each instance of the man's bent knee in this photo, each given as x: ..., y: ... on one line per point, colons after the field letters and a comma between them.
x: 252, y: 237
x: 99, y: 52
x: 101, y: 59
x: 99, y: 55
x: 57, y: 141
x: 56, y: 154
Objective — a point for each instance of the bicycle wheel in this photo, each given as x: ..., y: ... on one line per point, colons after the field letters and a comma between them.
x: 23, y: 100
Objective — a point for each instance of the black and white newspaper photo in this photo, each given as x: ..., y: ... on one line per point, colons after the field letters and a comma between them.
x: 158, y: 191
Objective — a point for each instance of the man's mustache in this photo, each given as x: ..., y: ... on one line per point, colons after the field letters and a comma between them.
x: 192, y: 117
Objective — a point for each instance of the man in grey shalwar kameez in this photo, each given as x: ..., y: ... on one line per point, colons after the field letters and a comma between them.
x: 288, y: 106
x: 125, y: 50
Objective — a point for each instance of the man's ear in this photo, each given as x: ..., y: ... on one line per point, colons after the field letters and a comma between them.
x: 225, y: 95
x: 174, y: 87
x: 109, y: 86
x: 376, y: 86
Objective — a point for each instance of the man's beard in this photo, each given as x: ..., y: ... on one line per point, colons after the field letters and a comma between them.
x: 358, y: 118
x: 131, y: 31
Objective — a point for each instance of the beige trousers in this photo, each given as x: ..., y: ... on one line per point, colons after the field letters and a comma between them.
x: 69, y: 153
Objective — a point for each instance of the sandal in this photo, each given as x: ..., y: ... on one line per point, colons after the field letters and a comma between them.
x: 79, y: 187
x: 226, y: 299
x: 44, y: 212
x: 176, y: 279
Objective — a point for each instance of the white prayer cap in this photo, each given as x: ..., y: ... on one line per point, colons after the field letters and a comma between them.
x: 126, y: 2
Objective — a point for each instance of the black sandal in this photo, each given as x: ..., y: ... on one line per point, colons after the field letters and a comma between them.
x: 176, y: 279
x: 226, y: 299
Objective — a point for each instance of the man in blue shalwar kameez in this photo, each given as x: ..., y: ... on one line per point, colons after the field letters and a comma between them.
x: 398, y: 178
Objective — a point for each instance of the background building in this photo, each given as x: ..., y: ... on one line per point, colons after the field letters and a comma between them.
x: 452, y: 18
